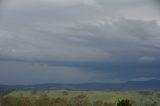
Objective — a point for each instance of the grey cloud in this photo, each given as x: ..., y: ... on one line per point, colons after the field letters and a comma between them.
x: 146, y: 59
x: 92, y: 41
x: 99, y: 40
x: 109, y: 47
x: 125, y: 36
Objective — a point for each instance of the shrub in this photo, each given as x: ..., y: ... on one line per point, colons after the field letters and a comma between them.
x: 124, y: 102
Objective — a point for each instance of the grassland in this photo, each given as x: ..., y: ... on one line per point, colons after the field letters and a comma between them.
x: 137, y: 97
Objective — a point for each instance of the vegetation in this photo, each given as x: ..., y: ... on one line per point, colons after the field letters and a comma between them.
x: 44, y: 100
x: 80, y: 98
x: 124, y: 102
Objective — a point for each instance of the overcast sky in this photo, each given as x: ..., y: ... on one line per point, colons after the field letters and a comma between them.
x: 76, y: 41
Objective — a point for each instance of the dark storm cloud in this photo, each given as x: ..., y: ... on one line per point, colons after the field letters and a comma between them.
x: 157, y: 2
x: 84, y: 38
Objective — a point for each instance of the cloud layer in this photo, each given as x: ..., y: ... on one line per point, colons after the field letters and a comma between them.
x: 94, y: 40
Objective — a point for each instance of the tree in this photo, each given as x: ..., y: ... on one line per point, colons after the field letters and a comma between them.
x: 124, y: 102
x: 154, y: 104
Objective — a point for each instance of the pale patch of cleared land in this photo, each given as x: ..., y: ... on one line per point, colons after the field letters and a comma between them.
x: 136, y: 97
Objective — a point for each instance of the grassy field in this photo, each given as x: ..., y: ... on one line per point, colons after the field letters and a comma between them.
x: 137, y: 97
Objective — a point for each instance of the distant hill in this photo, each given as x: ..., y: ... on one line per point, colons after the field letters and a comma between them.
x: 143, y: 84
x: 151, y: 84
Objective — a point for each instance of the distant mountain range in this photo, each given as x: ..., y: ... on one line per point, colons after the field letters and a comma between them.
x: 151, y: 84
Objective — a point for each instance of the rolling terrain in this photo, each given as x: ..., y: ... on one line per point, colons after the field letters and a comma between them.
x: 137, y: 97
x: 140, y: 93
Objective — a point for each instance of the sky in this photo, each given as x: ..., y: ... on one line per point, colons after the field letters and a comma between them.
x: 79, y: 41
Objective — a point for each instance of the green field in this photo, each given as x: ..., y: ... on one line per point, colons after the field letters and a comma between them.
x: 137, y: 97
